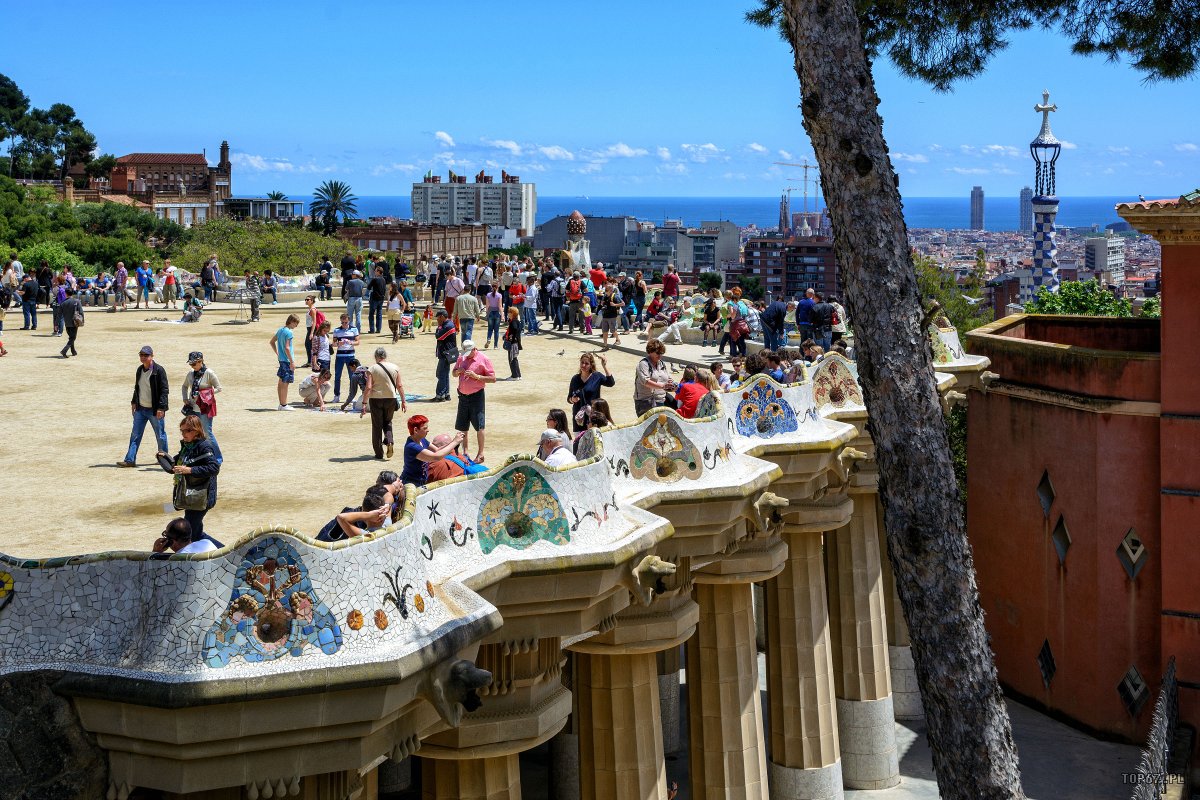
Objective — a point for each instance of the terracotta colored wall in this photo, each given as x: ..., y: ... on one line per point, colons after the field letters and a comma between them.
x: 1105, y: 473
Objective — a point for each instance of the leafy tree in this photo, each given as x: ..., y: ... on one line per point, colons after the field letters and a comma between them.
x: 1088, y: 298
x: 938, y: 41
x: 1152, y: 307
x: 709, y: 280
x: 276, y: 196
x: 102, y: 166
x: 751, y: 287
x: 253, y: 244
x: 333, y: 198
x: 13, y: 105
x: 56, y: 253
x: 520, y: 251
x: 939, y: 284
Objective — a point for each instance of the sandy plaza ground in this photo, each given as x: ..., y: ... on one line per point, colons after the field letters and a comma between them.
x: 65, y: 423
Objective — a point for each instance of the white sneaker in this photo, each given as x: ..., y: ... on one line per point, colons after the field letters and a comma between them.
x: 286, y: 408
x: 336, y: 399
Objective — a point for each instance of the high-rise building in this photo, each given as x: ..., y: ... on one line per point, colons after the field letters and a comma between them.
x: 787, y: 266
x: 1105, y: 257
x: 508, y: 204
x: 1025, y: 222
x: 977, y: 208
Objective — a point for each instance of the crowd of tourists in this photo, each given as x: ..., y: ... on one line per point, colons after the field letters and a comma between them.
x: 513, y: 298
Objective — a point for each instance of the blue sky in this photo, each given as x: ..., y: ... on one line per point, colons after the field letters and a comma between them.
x: 618, y: 98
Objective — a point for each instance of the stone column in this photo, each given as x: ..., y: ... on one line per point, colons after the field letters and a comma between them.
x: 620, y: 734
x: 494, y: 778
x: 668, y: 698
x: 805, y: 761
x: 865, y: 715
x: 906, y: 692
x: 728, y: 753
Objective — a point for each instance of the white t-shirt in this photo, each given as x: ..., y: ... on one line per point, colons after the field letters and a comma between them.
x: 560, y: 457
x: 531, y: 294
x: 202, y: 546
x: 308, y: 388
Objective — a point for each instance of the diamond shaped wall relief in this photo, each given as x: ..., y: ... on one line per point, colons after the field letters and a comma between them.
x: 1062, y: 539
x: 1133, y: 690
x: 1132, y: 553
x: 1045, y: 659
x: 1045, y: 493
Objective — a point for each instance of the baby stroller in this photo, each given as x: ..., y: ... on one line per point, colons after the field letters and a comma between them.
x: 406, y: 326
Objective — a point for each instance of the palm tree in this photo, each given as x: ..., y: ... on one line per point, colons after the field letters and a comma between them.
x: 333, y: 198
x: 276, y: 196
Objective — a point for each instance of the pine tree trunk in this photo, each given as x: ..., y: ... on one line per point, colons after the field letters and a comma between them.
x: 969, y: 731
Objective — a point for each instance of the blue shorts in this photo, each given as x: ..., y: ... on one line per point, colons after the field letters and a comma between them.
x: 285, y: 373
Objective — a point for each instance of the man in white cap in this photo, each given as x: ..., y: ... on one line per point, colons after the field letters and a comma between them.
x: 474, y: 371
x: 554, y: 448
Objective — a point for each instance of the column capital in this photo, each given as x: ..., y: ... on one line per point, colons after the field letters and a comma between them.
x: 668, y: 622
x: 754, y: 560
x: 1172, y: 221
x: 829, y: 513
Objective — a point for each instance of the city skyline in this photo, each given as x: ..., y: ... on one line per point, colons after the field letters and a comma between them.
x: 561, y: 117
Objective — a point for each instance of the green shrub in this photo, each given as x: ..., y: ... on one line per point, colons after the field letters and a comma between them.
x: 54, y: 252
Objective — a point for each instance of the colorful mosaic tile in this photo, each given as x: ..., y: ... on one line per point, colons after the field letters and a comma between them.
x: 834, y: 384
x: 585, y: 448
x: 664, y: 454
x: 943, y: 341
x: 273, y: 610
x: 6, y: 588
x: 521, y: 509
x: 763, y: 412
x: 709, y: 406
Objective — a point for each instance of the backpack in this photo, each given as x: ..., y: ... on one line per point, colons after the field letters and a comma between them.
x: 574, y: 292
x: 837, y: 319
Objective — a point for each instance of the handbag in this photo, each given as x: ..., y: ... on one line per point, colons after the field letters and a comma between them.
x: 206, y: 399
x: 450, y: 356
x: 78, y: 318
x: 395, y: 388
x: 189, y: 498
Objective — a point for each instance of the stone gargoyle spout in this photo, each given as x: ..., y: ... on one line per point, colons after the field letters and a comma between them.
x: 646, y: 577
x: 453, y: 686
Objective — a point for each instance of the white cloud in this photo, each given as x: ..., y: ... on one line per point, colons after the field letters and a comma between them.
x: 968, y: 170
x: 1121, y: 151
x: 258, y: 163
x: 1000, y: 150
x: 1067, y: 145
x: 735, y: 176
x: 672, y: 169
x: 622, y: 150
x: 1187, y: 147
x: 444, y: 138
x: 915, y: 158
x: 756, y: 147
x: 446, y: 157
x: 664, y: 153
x: 556, y: 153
x: 504, y: 144
x: 1159, y: 164
x: 384, y: 169
x: 589, y: 168
x: 785, y: 155
x: 702, y: 153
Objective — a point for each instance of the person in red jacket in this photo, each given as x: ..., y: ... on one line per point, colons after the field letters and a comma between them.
x: 670, y: 282
x: 688, y: 393
x: 598, y: 276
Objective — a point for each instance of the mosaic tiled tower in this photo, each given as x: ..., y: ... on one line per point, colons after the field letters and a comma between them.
x: 1045, y: 150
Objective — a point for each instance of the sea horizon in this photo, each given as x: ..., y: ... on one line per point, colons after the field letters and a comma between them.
x: 949, y: 213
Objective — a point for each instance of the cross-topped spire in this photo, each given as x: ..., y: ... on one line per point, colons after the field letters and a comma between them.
x: 1044, y: 108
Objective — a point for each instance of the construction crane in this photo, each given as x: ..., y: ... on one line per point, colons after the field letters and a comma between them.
x: 806, y: 167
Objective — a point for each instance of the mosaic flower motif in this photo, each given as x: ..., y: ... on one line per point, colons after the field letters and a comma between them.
x: 763, y: 412
x: 834, y: 384
x: 521, y: 509
x: 381, y: 620
x: 6, y: 588
x: 944, y: 343
x: 664, y: 454
x: 273, y: 611
x: 355, y: 620
x: 709, y: 406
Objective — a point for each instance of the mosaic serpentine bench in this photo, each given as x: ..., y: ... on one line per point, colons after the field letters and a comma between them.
x: 367, y: 643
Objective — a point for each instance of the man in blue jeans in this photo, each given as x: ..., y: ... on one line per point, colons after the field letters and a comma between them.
x: 29, y: 293
x: 149, y: 405
x: 355, y: 288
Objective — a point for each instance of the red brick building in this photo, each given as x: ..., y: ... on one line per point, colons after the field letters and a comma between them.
x: 415, y: 242
x: 786, y: 266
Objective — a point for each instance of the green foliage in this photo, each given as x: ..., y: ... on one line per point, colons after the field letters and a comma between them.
x: 1087, y: 298
x: 940, y: 285
x: 708, y: 280
x: 276, y: 196
x: 520, y: 251
x: 56, y: 253
x: 331, y: 200
x: 942, y: 41
x: 1152, y: 307
x: 254, y: 244
x: 101, y: 167
x: 752, y: 287
x: 101, y: 253
x: 121, y: 221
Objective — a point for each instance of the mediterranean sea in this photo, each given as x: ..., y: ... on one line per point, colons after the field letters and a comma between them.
x: 1000, y: 213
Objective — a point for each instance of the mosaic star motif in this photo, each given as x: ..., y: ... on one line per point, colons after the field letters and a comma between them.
x: 521, y: 509
x: 664, y: 454
x: 763, y: 412
x: 273, y: 611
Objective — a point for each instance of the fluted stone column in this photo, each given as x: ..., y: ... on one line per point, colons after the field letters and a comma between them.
x: 805, y: 760
x: 865, y: 714
x: 494, y: 778
x: 620, y: 734
x: 728, y: 753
